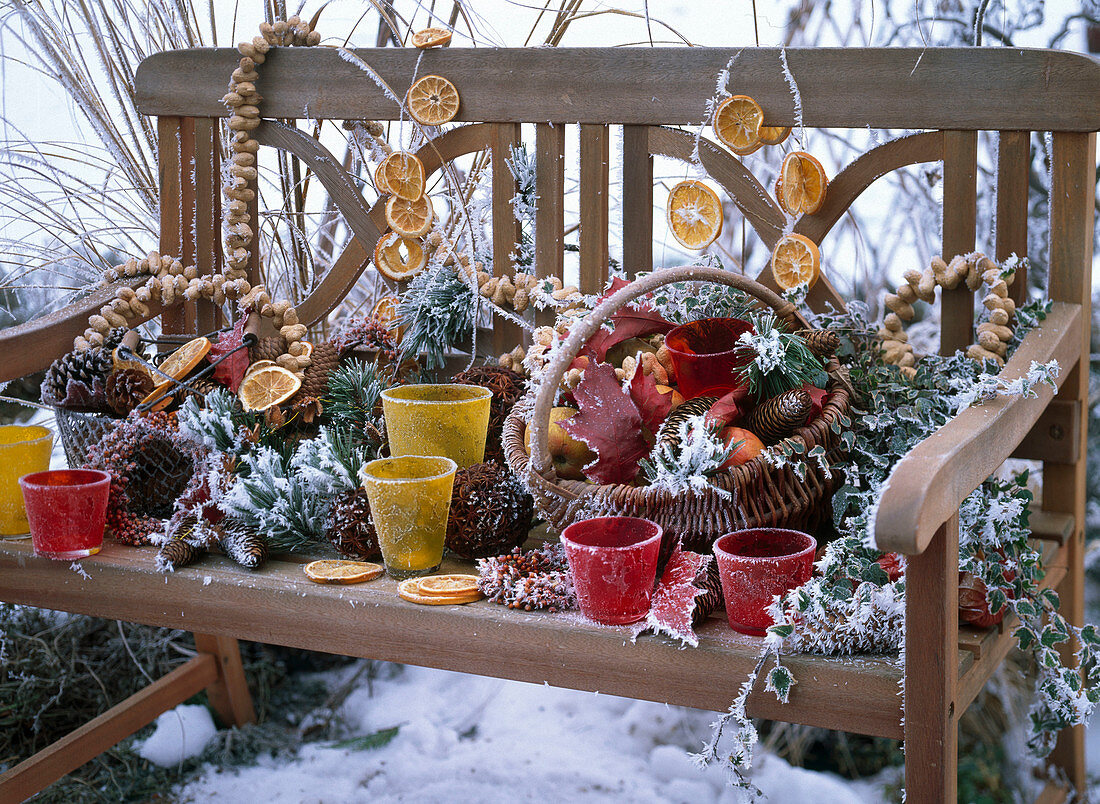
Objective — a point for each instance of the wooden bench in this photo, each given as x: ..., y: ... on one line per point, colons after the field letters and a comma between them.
x: 948, y: 94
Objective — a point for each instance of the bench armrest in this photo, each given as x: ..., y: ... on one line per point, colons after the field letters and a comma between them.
x: 928, y: 485
x: 32, y: 346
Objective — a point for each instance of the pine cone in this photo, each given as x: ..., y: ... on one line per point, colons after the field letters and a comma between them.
x: 84, y: 367
x: 267, y: 349
x: 176, y: 553
x: 778, y: 417
x: 323, y: 361
x: 491, y: 512
x: 246, y: 547
x: 203, y: 386
x: 508, y: 387
x: 711, y: 598
x: 126, y: 388
x: 351, y: 529
x: 669, y: 432
x: 822, y: 342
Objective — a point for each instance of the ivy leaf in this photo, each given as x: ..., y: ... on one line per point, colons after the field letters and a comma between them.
x: 1025, y: 637
x: 610, y: 424
x: 780, y: 682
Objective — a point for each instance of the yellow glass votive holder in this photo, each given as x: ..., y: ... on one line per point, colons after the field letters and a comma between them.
x: 23, y: 449
x: 448, y: 420
x: 410, y: 498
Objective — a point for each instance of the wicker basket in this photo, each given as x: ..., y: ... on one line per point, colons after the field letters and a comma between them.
x: 760, y: 494
x: 79, y: 431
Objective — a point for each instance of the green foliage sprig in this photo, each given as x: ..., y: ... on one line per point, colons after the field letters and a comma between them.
x: 436, y: 312
x: 777, y: 360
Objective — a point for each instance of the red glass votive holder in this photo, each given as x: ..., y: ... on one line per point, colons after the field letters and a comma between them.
x: 757, y: 564
x: 614, y: 564
x: 704, y: 356
x: 67, y: 511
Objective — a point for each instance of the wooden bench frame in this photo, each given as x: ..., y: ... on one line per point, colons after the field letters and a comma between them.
x: 949, y: 94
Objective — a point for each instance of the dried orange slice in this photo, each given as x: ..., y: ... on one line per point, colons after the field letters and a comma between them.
x: 432, y: 100
x: 694, y: 214
x: 737, y: 122
x: 386, y: 313
x: 342, y: 571
x: 267, y: 387
x: 803, y: 183
x: 181, y: 361
x: 401, y: 174
x: 773, y: 135
x: 795, y: 261
x: 431, y: 37
x: 158, y: 398
x: 409, y: 218
x: 118, y: 363
x: 410, y: 590
x: 398, y: 257
x: 259, y: 364
x: 779, y: 194
x: 448, y: 585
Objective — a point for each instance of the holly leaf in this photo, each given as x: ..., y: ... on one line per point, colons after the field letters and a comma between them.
x: 651, y: 403
x: 230, y: 371
x: 729, y: 409
x: 610, y: 424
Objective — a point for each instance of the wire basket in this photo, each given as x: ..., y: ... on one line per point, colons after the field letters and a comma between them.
x: 79, y: 431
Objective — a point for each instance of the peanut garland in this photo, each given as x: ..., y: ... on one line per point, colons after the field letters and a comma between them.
x: 169, y: 280
x: 975, y: 270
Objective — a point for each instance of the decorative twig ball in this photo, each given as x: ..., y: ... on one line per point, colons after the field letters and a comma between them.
x: 491, y: 511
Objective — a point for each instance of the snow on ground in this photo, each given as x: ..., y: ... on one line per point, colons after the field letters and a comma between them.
x: 472, y: 739
x: 180, y: 734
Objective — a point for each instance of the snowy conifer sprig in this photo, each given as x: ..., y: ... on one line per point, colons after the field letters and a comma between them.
x: 437, y: 312
x: 220, y: 424
x: 778, y: 360
x: 273, y: 499
x: 354, y: 391
x: 524, y: 203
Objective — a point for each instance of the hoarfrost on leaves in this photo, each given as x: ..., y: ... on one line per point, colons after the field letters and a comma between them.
x: 686, y: 467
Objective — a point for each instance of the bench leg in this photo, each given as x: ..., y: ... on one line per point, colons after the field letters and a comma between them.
x: 1062, y: 487
x: 931, y: 670
x: 229, y: 694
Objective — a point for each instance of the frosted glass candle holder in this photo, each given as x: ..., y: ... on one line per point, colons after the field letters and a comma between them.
x: 23, y: 449
x: 410, y: 498
x: 447, y: 420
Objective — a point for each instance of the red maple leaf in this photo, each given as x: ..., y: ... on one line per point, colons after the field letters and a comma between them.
x: 674, y: 599
x: 610, y: 424
x: 651, y: 403
x: 231, y: 370
x: 729, y: 409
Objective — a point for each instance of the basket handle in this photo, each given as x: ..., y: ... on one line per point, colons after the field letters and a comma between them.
x: 587, y: 327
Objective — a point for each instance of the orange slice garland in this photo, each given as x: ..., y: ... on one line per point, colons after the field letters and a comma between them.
x: 401, y: 174
x: 410, y: 219
x: 398, y: 258
x: 432, y: 100
x: 796, y: 260
x: 431, y: 37
x: 385, y: 312
x: 694, y: 214
x: 803, y: 184
x: 774, y: 135
x: 181, y: 361
x: 737, y: 122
